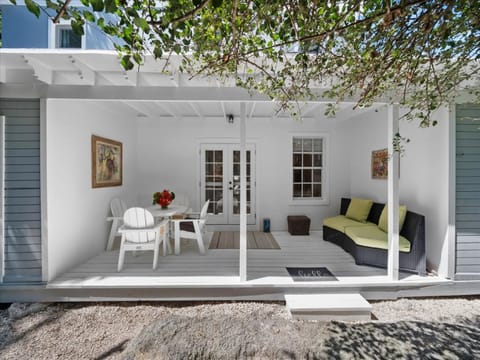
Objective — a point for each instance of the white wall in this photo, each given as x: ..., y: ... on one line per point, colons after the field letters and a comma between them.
x: 76, y: 213
x: 423, y: 172
x: 168, y: 157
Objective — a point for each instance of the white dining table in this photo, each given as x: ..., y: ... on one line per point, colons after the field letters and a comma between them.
x: 159, y: 213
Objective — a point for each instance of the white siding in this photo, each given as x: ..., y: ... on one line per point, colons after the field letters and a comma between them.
x: 23, y: 257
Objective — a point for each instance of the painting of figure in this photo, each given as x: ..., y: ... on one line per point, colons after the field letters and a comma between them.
x: 106, y: 162
x: 380, y: 164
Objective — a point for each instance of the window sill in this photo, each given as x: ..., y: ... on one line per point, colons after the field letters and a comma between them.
x: 305, y: 202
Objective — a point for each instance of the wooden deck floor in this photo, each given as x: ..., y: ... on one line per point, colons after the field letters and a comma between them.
x: 219, y: 268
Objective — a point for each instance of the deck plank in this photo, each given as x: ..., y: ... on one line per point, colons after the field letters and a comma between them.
x: 220, y: 266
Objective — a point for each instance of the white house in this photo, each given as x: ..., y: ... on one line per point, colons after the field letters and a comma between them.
x: 55, y: 226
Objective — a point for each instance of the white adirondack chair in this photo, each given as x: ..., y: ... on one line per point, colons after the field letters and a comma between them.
x: 192, y: 227
x: 118, y: 208
x: 139, y: 232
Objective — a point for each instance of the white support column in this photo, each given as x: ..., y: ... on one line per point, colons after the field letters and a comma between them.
x: 393, y: 194
x: 243, y: 194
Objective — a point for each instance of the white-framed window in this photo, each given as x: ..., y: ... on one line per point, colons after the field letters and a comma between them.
x: 309, y: 170
x: 62, y: 36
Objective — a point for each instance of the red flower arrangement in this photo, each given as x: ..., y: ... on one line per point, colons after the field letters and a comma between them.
x: 163, y: 198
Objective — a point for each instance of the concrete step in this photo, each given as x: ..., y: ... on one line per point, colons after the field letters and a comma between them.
x: 326, y: 307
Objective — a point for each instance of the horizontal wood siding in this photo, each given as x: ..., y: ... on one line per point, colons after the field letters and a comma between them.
x: 468, y: 190
x: 22, y: 220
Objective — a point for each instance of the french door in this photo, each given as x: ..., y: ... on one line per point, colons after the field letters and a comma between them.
x: 220, y: 182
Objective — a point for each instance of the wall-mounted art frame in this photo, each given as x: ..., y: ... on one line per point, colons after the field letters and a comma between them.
x: 380, y: 164
x: 107, y: 164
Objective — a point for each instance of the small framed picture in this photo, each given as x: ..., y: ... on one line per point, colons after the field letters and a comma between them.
x: 107, y: 165
x: 380, y: 164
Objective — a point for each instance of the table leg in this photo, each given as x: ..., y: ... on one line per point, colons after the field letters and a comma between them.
x: 177, y: 238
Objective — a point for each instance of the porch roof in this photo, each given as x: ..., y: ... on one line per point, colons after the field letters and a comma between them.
x: 155, y: 89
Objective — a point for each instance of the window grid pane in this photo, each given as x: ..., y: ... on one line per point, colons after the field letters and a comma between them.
x: 307, y: 161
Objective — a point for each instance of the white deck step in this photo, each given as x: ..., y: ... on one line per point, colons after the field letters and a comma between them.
x: 326, y: 307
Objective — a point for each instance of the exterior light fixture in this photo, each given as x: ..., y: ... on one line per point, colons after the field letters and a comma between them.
x: 230, y: 118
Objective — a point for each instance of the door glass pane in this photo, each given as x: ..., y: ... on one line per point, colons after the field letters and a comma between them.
x: 235, y: 187
x: 214, y: 181
x: 236, y: 156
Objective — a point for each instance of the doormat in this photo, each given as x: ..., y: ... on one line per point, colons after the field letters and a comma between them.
x: 231, y: 240
x: 311, y: 274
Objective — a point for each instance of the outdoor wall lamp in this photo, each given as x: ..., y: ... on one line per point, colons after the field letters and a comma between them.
x: 230, y: 118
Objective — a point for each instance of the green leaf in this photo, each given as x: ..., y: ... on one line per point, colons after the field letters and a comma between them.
x: 138, y: 58
x: 157, y: 52
x: 132, y: 12
x: 126, y: 62
x: 33, y: 7
x: 97, y: 5
x: 77, y: 27
x: 110, y: 6
x: 89, y: 16
x: 14, y: 2
x: 142, y: 24
x: 217, y: 3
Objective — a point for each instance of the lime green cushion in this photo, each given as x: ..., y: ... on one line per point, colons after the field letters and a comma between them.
x: 383, y: 221
x: 340, y: 222
x: 358, y: 209
x: 372, y: 236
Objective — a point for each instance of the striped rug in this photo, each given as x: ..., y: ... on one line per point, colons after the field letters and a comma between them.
x: 231, y: 240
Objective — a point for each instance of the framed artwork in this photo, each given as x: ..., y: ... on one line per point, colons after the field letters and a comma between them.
x: 380, y: 164
x: 107, y: 166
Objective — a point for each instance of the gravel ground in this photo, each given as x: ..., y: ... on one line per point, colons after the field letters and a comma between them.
x: 441, y: 328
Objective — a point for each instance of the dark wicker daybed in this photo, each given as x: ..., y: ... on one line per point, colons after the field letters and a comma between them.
x: 413, y: 230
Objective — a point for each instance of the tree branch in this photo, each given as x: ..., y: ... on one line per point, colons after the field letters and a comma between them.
x: 62, y: 11
x: 191, y: 13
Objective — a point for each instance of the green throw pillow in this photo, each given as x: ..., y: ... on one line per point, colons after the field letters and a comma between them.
x: 359, y: 209
x: 383, y: 221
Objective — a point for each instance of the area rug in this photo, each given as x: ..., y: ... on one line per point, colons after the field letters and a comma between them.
x: 231, y: 240
x: 311, y: 274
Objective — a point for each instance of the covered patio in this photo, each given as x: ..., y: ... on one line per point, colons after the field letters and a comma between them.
x: 163, y: 120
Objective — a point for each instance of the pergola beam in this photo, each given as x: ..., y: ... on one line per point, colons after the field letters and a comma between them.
x: 40, y: 70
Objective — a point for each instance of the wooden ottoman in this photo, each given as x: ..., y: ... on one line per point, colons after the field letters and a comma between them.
x: 298, y: 224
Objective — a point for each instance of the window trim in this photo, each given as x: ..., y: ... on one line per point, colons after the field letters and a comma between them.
x: 325, y: 199
x: 53, y: 31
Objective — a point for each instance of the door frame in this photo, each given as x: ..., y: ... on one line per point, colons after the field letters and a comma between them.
x: 228, y: 141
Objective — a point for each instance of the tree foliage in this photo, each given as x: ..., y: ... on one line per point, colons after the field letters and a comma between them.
x: 414, y: 52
